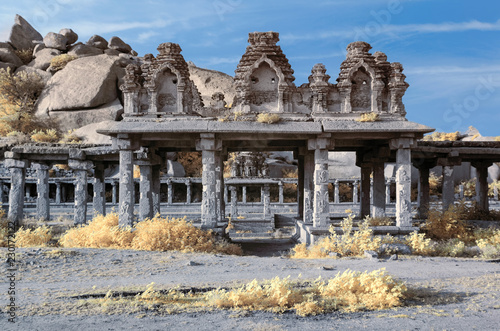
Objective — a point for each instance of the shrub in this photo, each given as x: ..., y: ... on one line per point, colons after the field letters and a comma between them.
x: 347, y: 244
x: 368, y: 117
x: 443, y: 136
x: 39, y: 236
x: 26, y: 55
x: 419, y: 244
x: 349, y: 291
x: 59, y: 62
x: 446, y: 225
x: 157, y: 234
x: 268, y: 118
x: 101, y: 232
x: 355, y: 291
x: 435, y: 184
x: 192, y: 163
x: 70, y: 138
x: 45, y: 136
x: 490, y: 246
x: 18, y: 95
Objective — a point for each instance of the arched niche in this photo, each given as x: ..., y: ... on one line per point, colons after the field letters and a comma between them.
x: 166, y: 93
x: 263, y: 84
x: 361, y: 90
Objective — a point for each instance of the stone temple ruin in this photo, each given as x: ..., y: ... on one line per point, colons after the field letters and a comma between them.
x: 163, y: 112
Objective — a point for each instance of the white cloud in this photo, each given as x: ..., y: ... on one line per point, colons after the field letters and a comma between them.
x: 377, y: 29
x: 453, y: 70
x: 145, y: 36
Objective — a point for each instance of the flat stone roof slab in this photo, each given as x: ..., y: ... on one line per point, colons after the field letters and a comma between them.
x: 378, y: 126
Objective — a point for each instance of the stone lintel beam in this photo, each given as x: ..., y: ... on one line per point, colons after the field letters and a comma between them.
x: 402, y: 143
x: 13, y: 163
x: 449, y: 161
x: 76, y: 154
x: 80, y: 165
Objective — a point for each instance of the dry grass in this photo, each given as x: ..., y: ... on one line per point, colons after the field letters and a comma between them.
x: 349, y: 291
x: 70, y: 138
x: 443, y: 136
x: 435, y: 184
x: 45, y: 136
x: 59, y: 62
x: 349, y: 243
x: 368, y: 117
x: 157, y: 234
x: 39, y: 236
x: 26, y: 55
x: 268, y: 118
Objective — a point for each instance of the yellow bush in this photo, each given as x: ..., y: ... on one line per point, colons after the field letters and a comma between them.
x: 157, y: 234
x: 419, y: 244
x: 192, y: 163
x: 59, y: 62
x: 4, y: 229
x: 355, y: 291
x: 47, y: 136
x: 26, y: 55
x: 33, y: 237
x: 70, y: 138
x: 448, y: 224
x: 349, y: 243
x: 268, y: 118
x: 349, y: 291
x: 435, y: 184
x: 490, y: 246
x: 442, y: 136
x: 101, y: 232
x: 368, y: 117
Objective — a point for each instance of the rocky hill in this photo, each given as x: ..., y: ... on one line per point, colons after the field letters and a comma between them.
x: 84, y: 91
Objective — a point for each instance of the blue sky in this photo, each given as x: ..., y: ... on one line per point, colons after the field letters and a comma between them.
x: 450, y: 49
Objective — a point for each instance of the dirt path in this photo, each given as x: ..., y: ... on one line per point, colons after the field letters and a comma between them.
x: 465, y: 292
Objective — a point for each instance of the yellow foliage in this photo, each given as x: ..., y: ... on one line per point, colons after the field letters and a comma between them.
x: 101, y: 232
x: 268, y: 118
x: 497, y: 138
x: 442, y: 136
x: 157, y: 234
x: 349, y: 243
x: 192, y: 163
x: 355, y: 291
x: 368, y: 117
x: 350, y: 291
x: 59, y: 62
x: 137, y: 171
x: 33, y: 237
x: 448, y: 224
x: 419, y: 244
x: 490, y: 246
x: 26, y: 55
x: 70, y: 138
x: 47, y: 136
x: 435, y: 184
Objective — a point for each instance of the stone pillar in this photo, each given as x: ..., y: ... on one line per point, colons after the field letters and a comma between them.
x: 482, y: 185
x: 81, y: 169
x: 355, y: 198
x: 155, y: 189
x: 146, y: 190
x: 210, y: 207
x: 64, y: 196
x: 321, y: 204
x: 266, y: 200
x: 403, y: 181
x: 308, y: 187
x: 114, y: 195
x: 234, y: 201
x: 219, y: 187
x: 280, y: 187
x: 364, y: 208
x: 226, y: 194
x: 378, y: 208
x: 244, y: 194
x: 495, y: 193
x: 99, y: 198
x: 300, y: 187
x: 461, y: 191
x: 188, y: 191
x: 448, y: 187
x: 336, y: 191
x: 1, y: 193
x: 42, y: 188
x: 17, y: 182
x: 126, y: 194
x: 58, y: 193
x: 424, y: 198
x: 170, y: 191
x: 388, y: 192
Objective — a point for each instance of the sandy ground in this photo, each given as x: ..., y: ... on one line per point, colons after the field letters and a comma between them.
x: 461, y: 294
